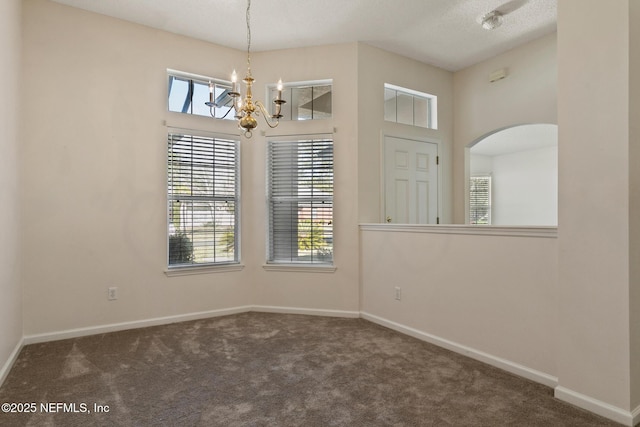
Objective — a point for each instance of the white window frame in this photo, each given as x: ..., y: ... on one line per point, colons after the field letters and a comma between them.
x: 271, y: 91
x: 485, y: 177
x: 432, y: 102
x: 191, y: 267
x: 203, y: 80
x: 275, y: 197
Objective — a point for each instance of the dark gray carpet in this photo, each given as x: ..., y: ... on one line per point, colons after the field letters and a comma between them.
x: 258, y: 369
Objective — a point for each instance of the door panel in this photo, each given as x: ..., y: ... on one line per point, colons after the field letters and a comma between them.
x: 410, y: 181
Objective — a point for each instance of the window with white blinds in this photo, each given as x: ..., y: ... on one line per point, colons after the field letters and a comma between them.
x: 203, y: 199
x: 300, y: 198
x: 480, y: 200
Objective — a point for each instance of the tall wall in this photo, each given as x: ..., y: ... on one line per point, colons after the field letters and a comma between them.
x: 94, y: 171
x: 316, y: 290
x: 526, y: 95
x: 598, y: 292
x: 10, y: 101
x: 95, y: 174
x: 375, y: 68
x: 634, y: 203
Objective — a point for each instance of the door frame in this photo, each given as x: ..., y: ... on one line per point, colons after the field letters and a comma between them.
x: 383, y: 136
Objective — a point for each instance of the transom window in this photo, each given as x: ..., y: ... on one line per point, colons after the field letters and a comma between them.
x: 410, y: 107
x: 300, y: 199
x: 188, y: 94
x: 203, y: 199
x: 305, y: 101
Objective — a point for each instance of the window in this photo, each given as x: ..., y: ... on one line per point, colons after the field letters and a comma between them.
x: 480, y: 200
x: 410, y: 107
x: 203, y: 198
x: 300, y: 198
x: 188, y: 94
x: 305, y: 101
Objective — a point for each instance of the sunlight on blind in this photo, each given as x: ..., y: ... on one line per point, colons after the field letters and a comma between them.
x: 301, y: 201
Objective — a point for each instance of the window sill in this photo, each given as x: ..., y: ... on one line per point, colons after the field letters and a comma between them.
x: 205, y: 269
x: 301, y: 268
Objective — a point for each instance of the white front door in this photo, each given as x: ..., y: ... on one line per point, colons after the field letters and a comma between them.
x: 410, y: 181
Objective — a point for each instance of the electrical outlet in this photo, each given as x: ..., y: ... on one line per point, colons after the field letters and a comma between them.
x: 398, y: 293
x: 112, y: 293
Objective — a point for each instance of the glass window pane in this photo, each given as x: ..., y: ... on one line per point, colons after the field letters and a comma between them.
x: 224, y: 103
x: 421, y: 111
x: 321, y: 102
x: 301, y: 103
x: 390, y: 105
x: 200, y: 96
x: 405, y: 108
x: 178, y: 92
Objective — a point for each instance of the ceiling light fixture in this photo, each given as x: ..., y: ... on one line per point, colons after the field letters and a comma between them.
x: 491, y: 20
x: 247, y: 108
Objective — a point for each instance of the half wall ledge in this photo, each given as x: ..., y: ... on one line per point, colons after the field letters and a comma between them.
x: 477, y: 230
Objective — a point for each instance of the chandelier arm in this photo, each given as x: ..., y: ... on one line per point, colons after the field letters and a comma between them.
x: 226, y: 114
x: 266, y: 114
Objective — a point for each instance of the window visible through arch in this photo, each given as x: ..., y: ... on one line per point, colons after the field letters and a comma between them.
x: 480, y: 200
x: 410, y: 107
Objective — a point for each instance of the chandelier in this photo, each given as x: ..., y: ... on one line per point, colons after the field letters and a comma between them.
x: 247, y: 109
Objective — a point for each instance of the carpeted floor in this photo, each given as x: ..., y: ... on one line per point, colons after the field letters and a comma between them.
x: 258, y: 369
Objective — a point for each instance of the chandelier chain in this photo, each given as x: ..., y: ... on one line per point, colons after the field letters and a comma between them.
x: 249, y: 36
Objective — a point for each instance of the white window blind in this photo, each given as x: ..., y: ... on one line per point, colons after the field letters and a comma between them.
x: 480, y: 200
x: 202, y: 190
x: 300, y: 197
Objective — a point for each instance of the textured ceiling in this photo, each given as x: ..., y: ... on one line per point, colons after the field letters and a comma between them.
x: 444, y: 33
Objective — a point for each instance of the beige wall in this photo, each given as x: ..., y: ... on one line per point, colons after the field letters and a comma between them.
x: 594, y: 354
x: 93, y: 180
x: 492, y: 294
x: 323, y: 291
x: 526, y: 95
x: 94, y: 171
x: 634, y: 202
x: 95, y: 174
x: 375, y: 68
x: 10, y: 291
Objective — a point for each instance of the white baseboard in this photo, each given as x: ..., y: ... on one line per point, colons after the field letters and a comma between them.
x: 114, y: 327
x: 635, y: 416
x: 307, y: 311
x: 596, y: 406
x: 628, y: 418
x: 10, y: 361
x: 498, y: 362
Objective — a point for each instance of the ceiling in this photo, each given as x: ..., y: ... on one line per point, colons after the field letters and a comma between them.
x: 443, y: 33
